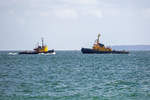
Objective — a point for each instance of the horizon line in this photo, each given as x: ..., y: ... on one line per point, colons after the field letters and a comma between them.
x: 72, y: 49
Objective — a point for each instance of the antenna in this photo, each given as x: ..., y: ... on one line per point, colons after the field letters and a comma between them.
x: 37, y: 44
x: 42, y: 41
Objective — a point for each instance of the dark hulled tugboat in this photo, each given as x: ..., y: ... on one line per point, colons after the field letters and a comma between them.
x: 39, y: 49
x: 99, y: 48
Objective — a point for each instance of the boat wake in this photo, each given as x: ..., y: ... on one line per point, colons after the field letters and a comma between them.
x: 12, y: 53
x: 47, y: 53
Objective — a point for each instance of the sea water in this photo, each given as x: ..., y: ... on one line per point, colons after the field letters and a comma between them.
x: 71, y: 75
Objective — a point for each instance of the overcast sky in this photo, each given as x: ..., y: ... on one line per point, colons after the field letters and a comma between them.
x: 72, y: 24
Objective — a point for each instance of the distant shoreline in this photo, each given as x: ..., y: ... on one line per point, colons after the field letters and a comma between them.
x: 132, y: 47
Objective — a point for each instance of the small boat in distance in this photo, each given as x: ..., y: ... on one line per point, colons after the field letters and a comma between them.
x: 99, y: 48
x: 39, y: 50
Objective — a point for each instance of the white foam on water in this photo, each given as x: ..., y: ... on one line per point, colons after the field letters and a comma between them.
x: 12, y: 53
x: 48, y: 53
x: 41, y: 53
x: 51, y: 53
x: 54, y: 53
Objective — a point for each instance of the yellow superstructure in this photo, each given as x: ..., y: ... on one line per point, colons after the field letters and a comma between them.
x: 100, y: 47
x: 41, y: 49
x: 45, y: 48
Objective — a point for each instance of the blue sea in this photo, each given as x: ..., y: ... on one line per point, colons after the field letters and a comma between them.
x: 71, y: 75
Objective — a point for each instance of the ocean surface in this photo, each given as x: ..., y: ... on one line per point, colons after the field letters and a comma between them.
x: 71, y: 75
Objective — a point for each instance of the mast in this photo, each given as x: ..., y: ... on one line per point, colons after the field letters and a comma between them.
x: 42, y: 41
x: 98, y: 38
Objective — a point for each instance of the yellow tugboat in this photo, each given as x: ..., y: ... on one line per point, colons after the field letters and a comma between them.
x: 99, y: 48
x: 39, y: 49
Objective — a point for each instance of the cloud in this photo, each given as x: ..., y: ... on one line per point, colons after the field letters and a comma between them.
x: 66, y: 13
x: 11, y: 12
x: 112, y: 12
x: 44, y: 14
x: 146, y: 12
x: 21, y: 21
x: 70, y: 13
x: 63, y: 9
x: 94, y: 12
x: 72, y: 9
x: 81, y: 2
x: 68, y: 9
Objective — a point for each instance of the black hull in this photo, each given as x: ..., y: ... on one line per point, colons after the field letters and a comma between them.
x: 34, y: 52
x: 91, y: 51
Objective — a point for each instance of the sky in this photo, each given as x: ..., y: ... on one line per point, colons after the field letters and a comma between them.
x: 72, y: 24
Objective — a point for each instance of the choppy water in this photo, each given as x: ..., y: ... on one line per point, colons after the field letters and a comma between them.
x: 70, y: 75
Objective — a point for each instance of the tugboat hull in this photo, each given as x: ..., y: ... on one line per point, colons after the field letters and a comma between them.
x: 91, y: 51
x: 34, y: 52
